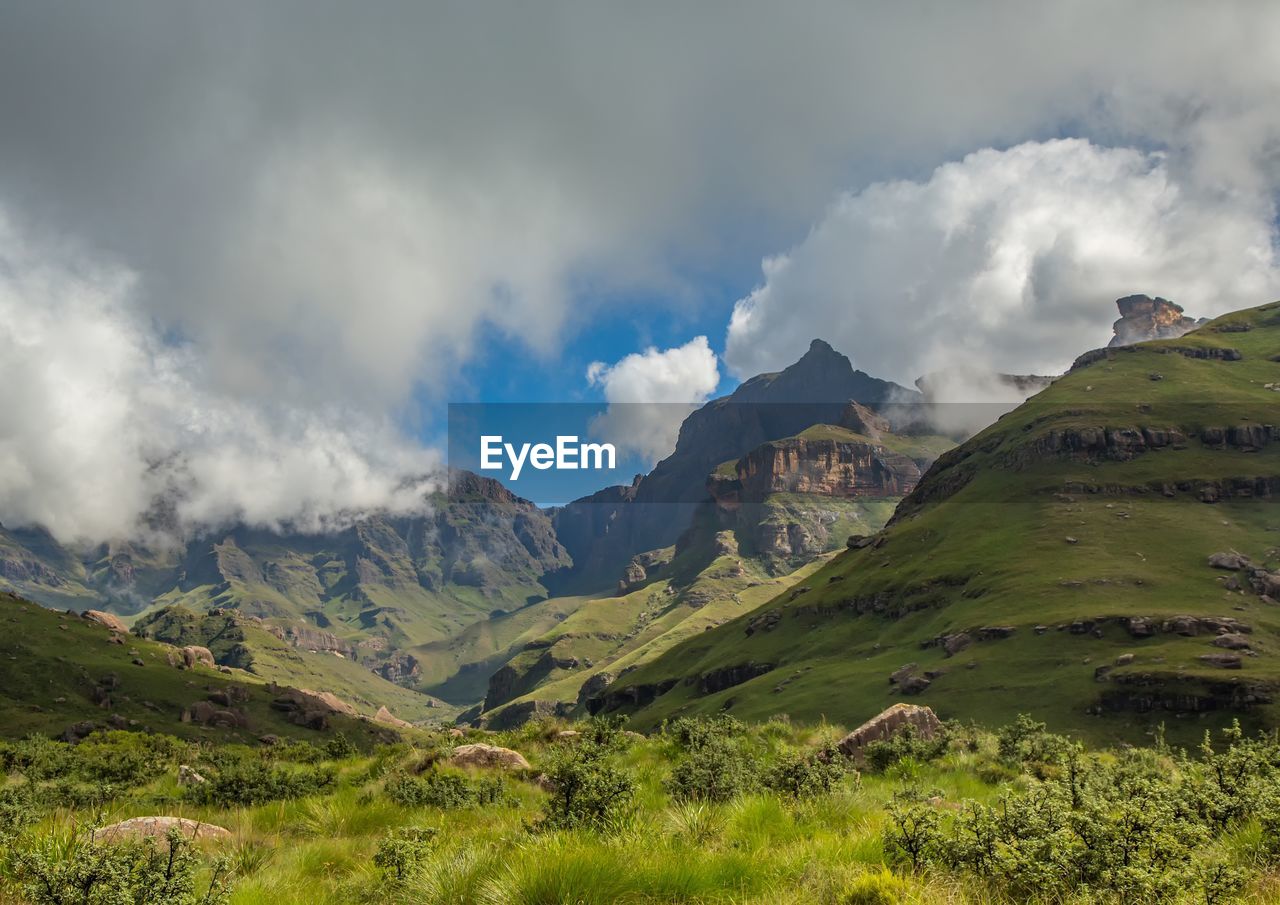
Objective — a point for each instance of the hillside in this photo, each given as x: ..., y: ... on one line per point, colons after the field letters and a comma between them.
x: 64, y: 675
x: 248, y: 644
x: 1057, y: 563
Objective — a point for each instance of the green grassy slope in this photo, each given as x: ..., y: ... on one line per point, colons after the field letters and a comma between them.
x: 608, y: 636
x: 1007, y: 531
x: 51, y: 663
x: 237, y: 642
x: 457, y: 669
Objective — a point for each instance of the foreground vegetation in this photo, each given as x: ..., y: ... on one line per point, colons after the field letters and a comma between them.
x: 703, y: 811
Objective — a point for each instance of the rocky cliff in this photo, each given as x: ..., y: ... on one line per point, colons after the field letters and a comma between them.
x: 1143, y: 317
x: 604, y: 531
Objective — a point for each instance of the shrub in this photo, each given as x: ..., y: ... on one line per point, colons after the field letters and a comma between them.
x: 449, y: 791
x: 1027, y: 741
x: 297, y: 752
x: 912, y: 836
x: 401, y: 852
x: 904, y: 744
x: 125, y: 758
x: 587, y: 788
x: 340, y: 747
x: 54, y: 870
x: 804, y: 775
x: 691, y: 733
x: 36, y: 757
x: 19, y: 808
x: 719, y: 763
x: 251, y: 782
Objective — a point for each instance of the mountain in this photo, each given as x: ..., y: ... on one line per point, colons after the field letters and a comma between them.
x: 481, y: 599
x: 603, y: 531
x: 1103, y: 557
x: 768, y: 520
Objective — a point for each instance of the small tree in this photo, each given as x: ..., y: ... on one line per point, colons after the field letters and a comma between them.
x: 587, y: 788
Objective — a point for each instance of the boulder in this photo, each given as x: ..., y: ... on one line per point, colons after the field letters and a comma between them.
x: 193, y: 655
x: 901, y: 673
x: 77, y: 731
x: 1229, y: 560
x: 480, y: 755
x: 916, y: 684
x: 887, y: 724
x: 137, y: 828
x: 1231, y: 641
x: 187, y: 776
x: 1222, y: 661
x: 110, y: 620
x: 384, y: 716
x: 329, y: 700
x: 566, y: 735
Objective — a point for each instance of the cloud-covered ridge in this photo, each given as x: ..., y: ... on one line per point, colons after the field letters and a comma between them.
x: 110, y: 431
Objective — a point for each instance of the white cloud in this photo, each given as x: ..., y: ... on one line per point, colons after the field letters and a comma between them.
x: 650, y: 393
x: 103, y: 420
x: 1007, y: 260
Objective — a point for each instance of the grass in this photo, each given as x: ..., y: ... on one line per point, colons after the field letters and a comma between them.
x: 51, y: 662
x: 754, y: 849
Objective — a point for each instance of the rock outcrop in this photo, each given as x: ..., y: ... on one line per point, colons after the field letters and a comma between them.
x: 1143, y: 318
x: 487, y: 756
x: 887, y: 724
x: 385, y: 717
x: 110, y: 620
x: 827, y: 467
x: 137, y: 828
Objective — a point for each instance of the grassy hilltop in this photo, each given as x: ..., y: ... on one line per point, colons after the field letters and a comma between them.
x: 1042, y: 566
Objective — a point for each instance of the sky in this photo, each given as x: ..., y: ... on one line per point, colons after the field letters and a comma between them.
x: 249, y: 254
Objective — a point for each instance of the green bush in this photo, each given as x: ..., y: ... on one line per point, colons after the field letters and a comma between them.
x: 1133, y: 828
x: 240, y: 782
x: 691, y: 733
x: 62, y: 870
x: 1026, y: 741
x: 720, y: 760
x: 125, y: 758
x: 588, y: 789
x: 803, y: 775
x: 402, y: 852
x: 905, y: 744
x: 446, y: 790
x: 340, y: 747
x: 36, y: 757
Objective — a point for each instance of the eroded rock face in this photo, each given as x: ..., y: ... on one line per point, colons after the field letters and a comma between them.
x: 887, y: 724
x: 826, y: 467
x: 1143, y: 318
x: 487, y: 756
